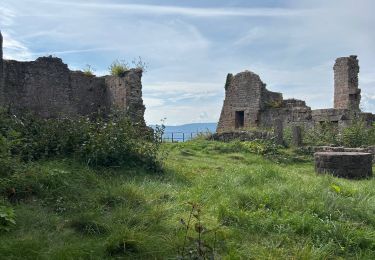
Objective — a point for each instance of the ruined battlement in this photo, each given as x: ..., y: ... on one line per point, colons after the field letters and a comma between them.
x: 249, y: 104
x: 49, y: 89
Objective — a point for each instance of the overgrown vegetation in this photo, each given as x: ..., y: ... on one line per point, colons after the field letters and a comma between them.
x: 242, y: 206
x: 111, y: 142
x: 119, y: 67
x: 274, y: 104
x: 88, y: 70
x: 356, y: 135
x: 77, y: 189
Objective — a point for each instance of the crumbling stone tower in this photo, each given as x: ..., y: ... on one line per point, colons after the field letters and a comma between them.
x: 245, y: 97
x: 347, y: 94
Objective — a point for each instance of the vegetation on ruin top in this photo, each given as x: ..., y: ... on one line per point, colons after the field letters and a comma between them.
x: 119, y: 67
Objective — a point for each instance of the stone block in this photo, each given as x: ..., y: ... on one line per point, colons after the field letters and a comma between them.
x: 352, y: 165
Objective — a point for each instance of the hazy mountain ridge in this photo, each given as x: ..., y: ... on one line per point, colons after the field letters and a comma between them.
x: 191, y: 128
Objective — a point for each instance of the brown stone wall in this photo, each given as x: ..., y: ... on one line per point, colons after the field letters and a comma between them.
x: 126, y: 92
x: 42, y: 86
x: 89, y: 94
x: 347, y: 95
x: 289, y: 111
x: 244, y: 92
x: 47, y: 88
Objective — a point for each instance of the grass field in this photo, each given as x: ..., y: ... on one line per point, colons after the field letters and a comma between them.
x: 245, y: 207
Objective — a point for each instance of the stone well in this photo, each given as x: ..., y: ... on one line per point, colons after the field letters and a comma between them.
x: 352, y: 165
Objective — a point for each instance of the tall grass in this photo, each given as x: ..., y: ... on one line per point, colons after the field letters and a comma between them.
x: 260, y: 209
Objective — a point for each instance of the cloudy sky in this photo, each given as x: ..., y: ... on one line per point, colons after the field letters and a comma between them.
x: 190, y: 45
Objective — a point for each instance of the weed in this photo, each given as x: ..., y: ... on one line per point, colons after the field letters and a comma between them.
x: 118, y: 68
x: 7, y: 218
x: 87, y: 226
x: 89, y: 70
x: 198, y: 247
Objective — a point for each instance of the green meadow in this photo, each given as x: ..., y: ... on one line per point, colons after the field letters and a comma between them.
x: 212, y: 200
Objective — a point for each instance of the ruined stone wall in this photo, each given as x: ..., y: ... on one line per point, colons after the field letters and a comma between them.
x: 42, y: 86
x: 347, y: 95
x: 244, y: 92
x: 290, y: 112
x: 126, y: 93
x: 47, y: 88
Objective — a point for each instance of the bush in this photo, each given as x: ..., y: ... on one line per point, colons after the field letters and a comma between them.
x: 88, y: 70
x: 358, y: 134
x: 116, y: 142
x: 262, y: 147
x: 325, y: 133
x: 118, y: 68
x: 7, y: 218
x: 113, y: 141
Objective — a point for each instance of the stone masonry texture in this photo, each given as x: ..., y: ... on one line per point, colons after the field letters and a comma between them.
x: 249, y: 104
x: 347, y: 94
x: 49, y: 89
x: 352, y: 165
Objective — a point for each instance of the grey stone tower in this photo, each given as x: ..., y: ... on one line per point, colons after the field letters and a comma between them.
x: 347, y: 94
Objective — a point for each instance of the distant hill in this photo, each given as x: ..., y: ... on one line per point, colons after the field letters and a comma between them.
x: 187, y: 131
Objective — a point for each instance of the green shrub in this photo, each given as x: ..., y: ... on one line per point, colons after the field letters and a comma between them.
x: 358, y: 134
x: 355, y: 135
x: 88, y: 70
x: 7, y: 218
x: 263, y: 147
x: 112, y: 141
x: 118, y: 68
x: 325, y: 133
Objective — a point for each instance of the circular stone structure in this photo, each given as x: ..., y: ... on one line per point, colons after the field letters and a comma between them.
x: 352, y: 165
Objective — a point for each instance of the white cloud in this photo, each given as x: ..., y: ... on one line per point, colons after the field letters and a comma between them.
x: 14, y: 49
x: 183, y: 87
x: 6, y: 16
x: 153, y: 102
x: 187, y: 11
x: 191, y: 49
x: 176, y: 114
x: 250, y: 36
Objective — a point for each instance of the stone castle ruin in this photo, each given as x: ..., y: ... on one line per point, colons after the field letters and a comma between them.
x: 49, y: 89
x: 249, y: 104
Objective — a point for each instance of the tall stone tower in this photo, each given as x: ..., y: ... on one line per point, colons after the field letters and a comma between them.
x: 347, y: 94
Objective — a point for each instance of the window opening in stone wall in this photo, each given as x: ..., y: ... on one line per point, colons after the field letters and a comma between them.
x: 353, y: 97
x: 239, y: 119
